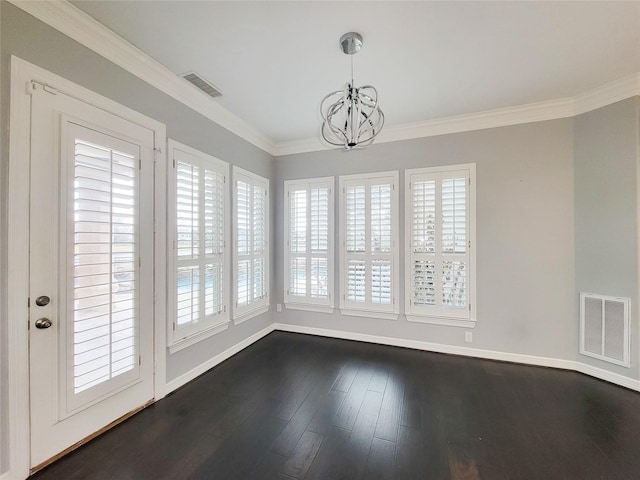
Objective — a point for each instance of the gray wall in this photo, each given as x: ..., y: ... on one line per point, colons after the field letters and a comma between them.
x: 606, y: 211
x: 525, y: 234
x: 35, y: 42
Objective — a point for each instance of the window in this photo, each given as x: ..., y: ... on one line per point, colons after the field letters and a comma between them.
x: 308, y: 269
x: 369, y: 245
x: 251, y: 240
x: 199, y: 229
x: 440, y: 226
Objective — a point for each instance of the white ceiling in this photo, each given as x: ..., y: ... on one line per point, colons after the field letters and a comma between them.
x: 274, y: 61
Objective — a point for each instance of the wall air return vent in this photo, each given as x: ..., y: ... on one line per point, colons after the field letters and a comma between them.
x: 202, y: 84
x: 604, y: 328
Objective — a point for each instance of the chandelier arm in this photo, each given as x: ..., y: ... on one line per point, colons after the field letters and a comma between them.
x: 375, y: 133
x: 330, y: 141
x: 370, y: 119
x: 335, y: 108
x: 333, y: 129
x: 372, y: 102
x: 326, y: 98
x: 374, y: 99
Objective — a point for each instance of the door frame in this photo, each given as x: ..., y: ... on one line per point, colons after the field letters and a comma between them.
x: 22, y: 74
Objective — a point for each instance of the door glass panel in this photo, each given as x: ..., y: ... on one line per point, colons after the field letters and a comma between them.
x: 104, y: 280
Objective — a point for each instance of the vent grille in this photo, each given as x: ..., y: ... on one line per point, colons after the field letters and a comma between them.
x: 202, y: 84
x: 604, y: 328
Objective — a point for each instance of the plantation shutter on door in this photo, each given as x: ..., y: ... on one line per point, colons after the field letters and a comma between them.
x: 105, y: 210
x: 369, y: 245
x: 438, y: 242
x: 309, y: 243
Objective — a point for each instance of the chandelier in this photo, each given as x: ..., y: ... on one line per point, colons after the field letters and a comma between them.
x: 351, y: 118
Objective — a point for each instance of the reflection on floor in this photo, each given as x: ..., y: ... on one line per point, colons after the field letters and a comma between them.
x: 301, y: 407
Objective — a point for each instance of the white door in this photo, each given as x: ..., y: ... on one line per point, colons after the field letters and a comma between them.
x: 91, y: 264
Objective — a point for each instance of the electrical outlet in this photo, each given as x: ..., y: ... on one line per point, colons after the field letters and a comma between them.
x: 278, y: 307
x: 468, y: 337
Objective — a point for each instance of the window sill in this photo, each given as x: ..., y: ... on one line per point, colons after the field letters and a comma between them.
x: 451, y: 322
x: 309, y: 308
x: 244, y: 316
x: 369, y: 314
x: 192, y: 339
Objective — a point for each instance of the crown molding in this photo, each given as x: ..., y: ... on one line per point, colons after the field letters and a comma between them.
x: 502, y: 117
x: 607, y: 94
x: 302, y: 146
x: 74, y: 23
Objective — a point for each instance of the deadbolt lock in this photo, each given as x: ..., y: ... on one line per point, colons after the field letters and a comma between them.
x: 42, y: 301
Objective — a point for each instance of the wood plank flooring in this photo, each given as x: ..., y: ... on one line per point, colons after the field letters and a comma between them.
x: 299, y: 407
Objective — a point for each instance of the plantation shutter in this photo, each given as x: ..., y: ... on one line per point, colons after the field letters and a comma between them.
x: 105, y: 209
x: 251, y: 238
x: 438, y: 230
x: 369, y: 243
x: 308, y: 223
x: 200, y: 230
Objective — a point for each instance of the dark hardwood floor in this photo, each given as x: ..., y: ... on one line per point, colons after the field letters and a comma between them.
x: 302, y: 407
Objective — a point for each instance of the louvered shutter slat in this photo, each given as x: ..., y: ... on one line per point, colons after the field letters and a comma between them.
x: 319, y: 278
x: 251, y: 237
x: 355, y: 218
x: 380, y: 218
x: 104, y: 210
x: 439, y: 242
x: 200, y: 232
x: 308, y: 243
x: 356, y: 274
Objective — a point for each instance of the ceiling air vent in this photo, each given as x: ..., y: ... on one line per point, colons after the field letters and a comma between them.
x: 202, y: 84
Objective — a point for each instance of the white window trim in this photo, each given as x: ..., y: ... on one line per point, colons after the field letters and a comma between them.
x: 244, y: 313
x: 369, y: 310
x: 309, y: 308
x: 442, y: 319
x: 194, y: 338
x: 176, y: 340
x: 249, y: 314
x: 307, y: 303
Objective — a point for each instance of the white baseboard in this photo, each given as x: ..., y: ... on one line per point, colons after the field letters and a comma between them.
x: 209, y: 364
x: 599, y: 373
x: 468, y: 352
x: 607, y: 376
x: 430, y: 347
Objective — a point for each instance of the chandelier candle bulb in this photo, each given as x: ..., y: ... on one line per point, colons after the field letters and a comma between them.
x: 351, y: 117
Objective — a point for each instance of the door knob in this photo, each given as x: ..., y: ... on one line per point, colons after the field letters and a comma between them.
x: 43, y: 323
